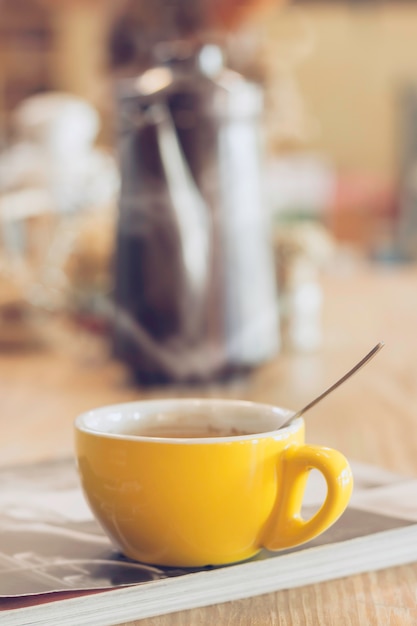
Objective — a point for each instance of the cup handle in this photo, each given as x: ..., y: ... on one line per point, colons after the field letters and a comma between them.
x: 285, y: 527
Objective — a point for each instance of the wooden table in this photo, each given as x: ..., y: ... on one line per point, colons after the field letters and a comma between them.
x: 373, y: 418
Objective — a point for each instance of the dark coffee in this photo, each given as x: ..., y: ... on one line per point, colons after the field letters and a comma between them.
x: 186, y: 432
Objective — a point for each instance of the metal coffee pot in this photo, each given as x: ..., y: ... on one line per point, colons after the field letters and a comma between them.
x: 195, y: 291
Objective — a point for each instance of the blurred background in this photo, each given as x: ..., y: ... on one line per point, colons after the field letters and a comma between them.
x: 338, y: 166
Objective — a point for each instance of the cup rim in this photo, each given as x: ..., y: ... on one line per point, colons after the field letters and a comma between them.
x: 80, y: 422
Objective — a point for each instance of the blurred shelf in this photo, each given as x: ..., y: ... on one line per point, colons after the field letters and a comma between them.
x: 26, y: 52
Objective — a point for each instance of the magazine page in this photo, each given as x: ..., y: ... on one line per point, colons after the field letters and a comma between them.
x: 49, y: 541
x: 384, y: 499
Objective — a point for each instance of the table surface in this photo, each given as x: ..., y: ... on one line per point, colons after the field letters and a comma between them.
x: 372, y: 418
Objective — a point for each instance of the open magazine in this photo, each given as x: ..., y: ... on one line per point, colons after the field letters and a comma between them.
x: 53, y: 554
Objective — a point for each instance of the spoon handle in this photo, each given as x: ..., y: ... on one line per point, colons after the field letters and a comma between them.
x: 348, y: 374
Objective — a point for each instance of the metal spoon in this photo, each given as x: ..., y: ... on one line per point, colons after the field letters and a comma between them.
x: 348, y: 374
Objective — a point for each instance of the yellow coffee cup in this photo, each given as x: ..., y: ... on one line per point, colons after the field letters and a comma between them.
x: 195, y: 482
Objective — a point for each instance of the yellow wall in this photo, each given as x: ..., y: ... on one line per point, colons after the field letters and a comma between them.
x: 350, y: 82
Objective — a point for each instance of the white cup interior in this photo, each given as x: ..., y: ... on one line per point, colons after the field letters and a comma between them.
x: 193, y: 419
